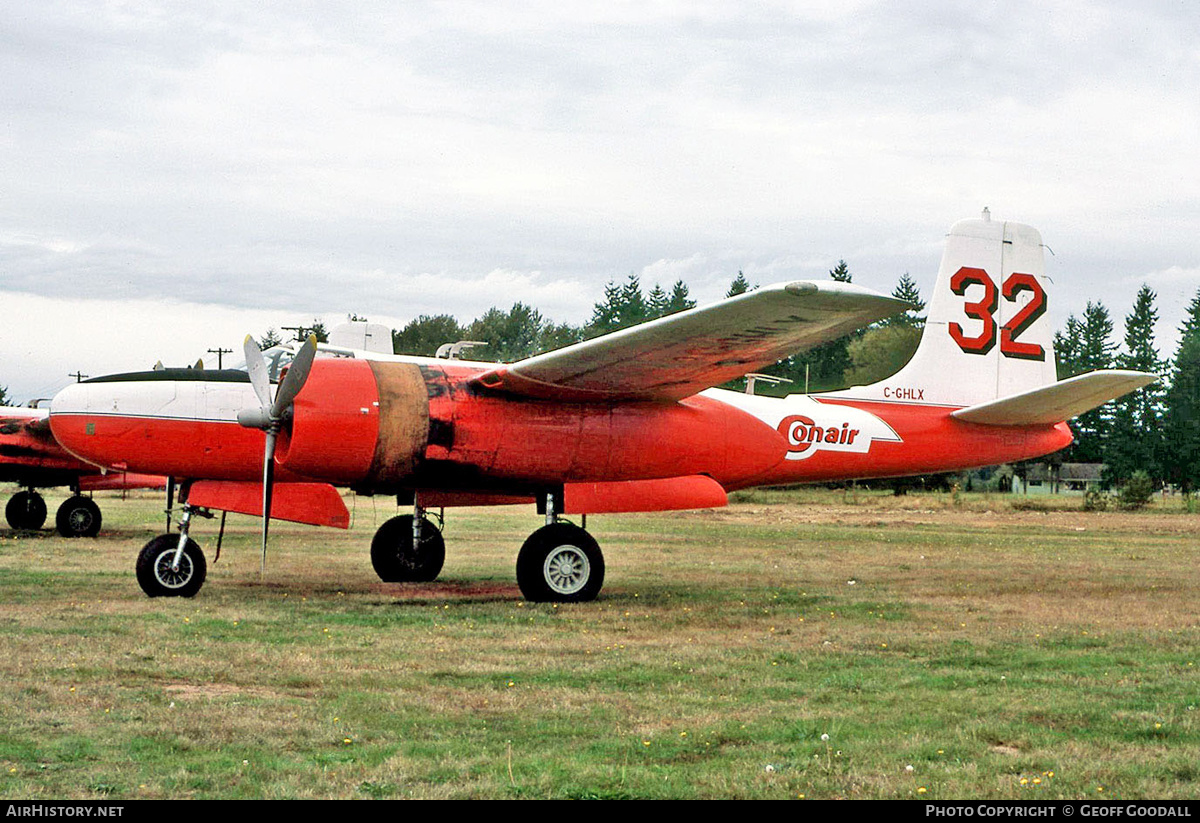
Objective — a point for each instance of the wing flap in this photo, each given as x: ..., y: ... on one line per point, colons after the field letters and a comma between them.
x: 679, y: 355
x: 1057, y: 402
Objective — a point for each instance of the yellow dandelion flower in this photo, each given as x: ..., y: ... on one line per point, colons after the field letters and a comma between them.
x: 921, y: 790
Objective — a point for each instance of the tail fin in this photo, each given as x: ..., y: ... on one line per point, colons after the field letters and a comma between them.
x: 987, y: 335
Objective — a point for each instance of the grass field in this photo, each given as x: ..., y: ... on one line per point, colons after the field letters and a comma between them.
x: 795, y: 645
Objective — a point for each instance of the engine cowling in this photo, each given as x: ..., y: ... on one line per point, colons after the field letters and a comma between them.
x: 358, y: 421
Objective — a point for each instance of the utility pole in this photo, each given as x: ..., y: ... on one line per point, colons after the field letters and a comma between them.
x: 218, y: 351
x: 79, y: 376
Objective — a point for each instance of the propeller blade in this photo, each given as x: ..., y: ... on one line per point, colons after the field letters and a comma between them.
x: 297, y: 375
x: 257, y: 368
x: 268, y: 483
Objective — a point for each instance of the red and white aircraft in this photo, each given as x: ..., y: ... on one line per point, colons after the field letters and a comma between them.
x: 31, y: 458
x: 624, y: 422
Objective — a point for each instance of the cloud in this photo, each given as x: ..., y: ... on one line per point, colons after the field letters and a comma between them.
x: 416, y: 158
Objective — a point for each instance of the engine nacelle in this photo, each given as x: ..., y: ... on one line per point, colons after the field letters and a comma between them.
x: 357, y: 421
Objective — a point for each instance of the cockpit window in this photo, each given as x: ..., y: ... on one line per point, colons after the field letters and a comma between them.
x: 276, y: 358
x: 279, y: 358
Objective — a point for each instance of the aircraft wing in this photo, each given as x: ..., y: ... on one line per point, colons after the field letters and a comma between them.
x: 679, y: 355
x: 1057, y: 402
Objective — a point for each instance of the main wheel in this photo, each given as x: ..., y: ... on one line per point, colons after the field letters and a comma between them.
x: 560, y: 563
x: 78, y: 516
x: 395, y: 558
x: 158, y: 579
x: 26, y: 510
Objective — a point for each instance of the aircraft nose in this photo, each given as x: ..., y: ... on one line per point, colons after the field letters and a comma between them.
x: 177, y: 422
x: 86, y: 418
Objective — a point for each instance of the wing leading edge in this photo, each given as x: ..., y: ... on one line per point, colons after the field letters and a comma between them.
x: 677, y: 356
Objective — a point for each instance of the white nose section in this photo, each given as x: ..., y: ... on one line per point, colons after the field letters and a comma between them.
x: 132, y: 398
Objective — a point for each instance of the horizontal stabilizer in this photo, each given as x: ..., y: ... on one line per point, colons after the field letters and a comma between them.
x: 1057, y: 402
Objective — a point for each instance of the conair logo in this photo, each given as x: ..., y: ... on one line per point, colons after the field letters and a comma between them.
x: 845, y: 429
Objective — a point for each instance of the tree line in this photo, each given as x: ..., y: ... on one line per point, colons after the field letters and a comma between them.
x: 522, y: 331
x: 1155, y: 430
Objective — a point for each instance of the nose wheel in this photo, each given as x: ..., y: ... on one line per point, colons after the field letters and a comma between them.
x: 164, y: 571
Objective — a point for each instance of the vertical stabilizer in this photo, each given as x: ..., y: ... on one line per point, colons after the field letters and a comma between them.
x: 988, y: 334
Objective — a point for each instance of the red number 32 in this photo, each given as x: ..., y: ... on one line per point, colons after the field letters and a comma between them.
x: 984, y: 310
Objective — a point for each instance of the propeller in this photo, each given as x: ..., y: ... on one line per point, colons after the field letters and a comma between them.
x: 272, y: 414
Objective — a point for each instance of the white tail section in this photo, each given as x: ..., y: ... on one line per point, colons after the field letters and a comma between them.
x: 988, y: 333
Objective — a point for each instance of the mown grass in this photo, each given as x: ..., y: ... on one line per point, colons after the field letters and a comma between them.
x: 795, y: 644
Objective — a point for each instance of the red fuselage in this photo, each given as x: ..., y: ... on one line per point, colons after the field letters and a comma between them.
x: 386, y: 426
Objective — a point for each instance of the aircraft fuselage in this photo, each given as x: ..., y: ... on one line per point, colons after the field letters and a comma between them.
x: 385, y: 426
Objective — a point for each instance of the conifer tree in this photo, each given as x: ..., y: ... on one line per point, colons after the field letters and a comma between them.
x: 623, y: 306
x: 678, y: 299
x: 1181, y: 419
x: 841, y: 272
x: 740, y: 285
x: 656, y: 302
x: 907, y: 291
x: 1135, y: 438
x: 1095, y: 351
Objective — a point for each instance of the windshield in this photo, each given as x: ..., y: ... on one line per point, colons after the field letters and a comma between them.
x: 280, y: 357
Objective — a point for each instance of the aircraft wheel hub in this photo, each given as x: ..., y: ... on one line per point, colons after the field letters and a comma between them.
x: 567, y: 569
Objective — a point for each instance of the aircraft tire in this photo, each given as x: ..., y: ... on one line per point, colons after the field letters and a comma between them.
x: 560, y: 563
x: 393, y: 555
x: 78, y: 516
x: 154, y: 573
x: 26, y: 511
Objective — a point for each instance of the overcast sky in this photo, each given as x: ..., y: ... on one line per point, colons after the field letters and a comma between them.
x: 175, y: 175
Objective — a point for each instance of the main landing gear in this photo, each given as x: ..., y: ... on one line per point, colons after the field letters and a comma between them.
x: 559, y: 563
x: 78, y: 516
x: 26, y: 511
x: 408, y: 549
